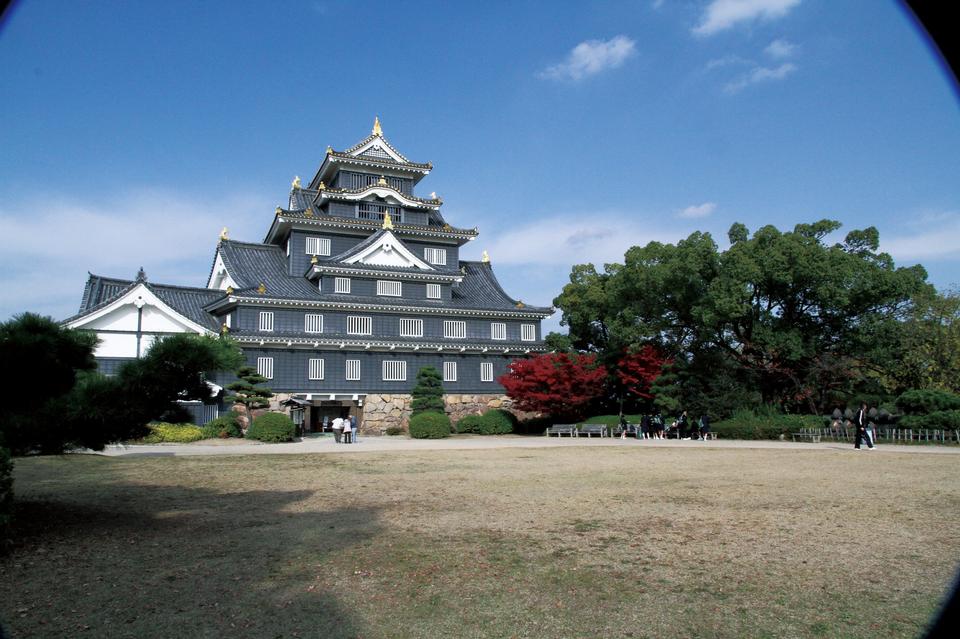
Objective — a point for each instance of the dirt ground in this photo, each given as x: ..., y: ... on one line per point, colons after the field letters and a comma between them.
x: 528, y: 542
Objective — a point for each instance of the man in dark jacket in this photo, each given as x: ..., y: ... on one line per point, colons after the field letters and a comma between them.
x: 861, y: 424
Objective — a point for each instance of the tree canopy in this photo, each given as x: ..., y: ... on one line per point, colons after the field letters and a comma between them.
x: 787, y: 313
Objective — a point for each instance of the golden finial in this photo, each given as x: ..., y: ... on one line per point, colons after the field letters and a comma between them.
x: 224, y: 329
x: 433, y: 195
x: 376, y: 126
x: 223, y: 234
x: 296, y: 182
x: 387, y: 222
x: 229, y: 290
x: 308, y: 212
x: 486, y: 258
x: 329, y: 149
x: 279, y: 210
x: 262, y: 288
x: 314, y: 259
x: 520, y: 305
x: 322, y: 185
x: 382, y: 181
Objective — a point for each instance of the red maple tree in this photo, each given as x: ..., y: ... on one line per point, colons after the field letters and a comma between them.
x: 555, y: 383
x: 637, y: 371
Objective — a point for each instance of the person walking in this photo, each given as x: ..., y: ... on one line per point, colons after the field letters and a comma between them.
x: 353, y: 429
x: 337, y: 429
x: 704, y: 426
x: 860, y: 423
x: 347, y: 430
x: 658, y: 425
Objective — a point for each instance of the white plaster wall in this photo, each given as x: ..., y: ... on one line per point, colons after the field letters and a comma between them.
x: 116, y: 345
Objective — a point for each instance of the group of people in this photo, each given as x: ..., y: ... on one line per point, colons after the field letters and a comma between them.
x: 345, y: 430
x: 654, y: 427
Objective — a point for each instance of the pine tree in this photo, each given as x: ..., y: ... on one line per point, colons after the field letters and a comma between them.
x: 428, y: 393
x: 247, y: 390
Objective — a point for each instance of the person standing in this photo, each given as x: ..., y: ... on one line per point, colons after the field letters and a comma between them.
x: 704, y: 426
x: 658, y: 425
x: 644, y: 427
x: 337, y: 429
x: 683, y: 423
x: 860, y: 423
x: 353, y: 429
x: 347, y: 431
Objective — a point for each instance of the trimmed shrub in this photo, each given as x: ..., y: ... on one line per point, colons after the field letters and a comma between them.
x: 746, y: 424
x: 428, y: 393
x: 394, y: 430
x: 272, y: 428
x: 163, y: 432
x: 429, y: 425
x: 939, y: 420
x: 498, y: 422
x: 471, y: 424
x: 921, y: 402
x: 223, y: 427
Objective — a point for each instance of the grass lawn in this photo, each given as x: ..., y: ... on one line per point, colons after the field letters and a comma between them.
x: 560, y: 542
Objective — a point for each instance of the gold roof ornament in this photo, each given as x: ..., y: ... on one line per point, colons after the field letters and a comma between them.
x: 314, y: 259
x: 224, y: 329
x: 486, y: 258
x: 262, y: 288
x: 387, y: 222
x: 433, y: 195
x: 308, y: 212
x: 229, y: 290
x: 329, y: 149
x: 376, y: 126
x: 520, y: 304
x: 223, y: 234
x: 382, y: 181
x: 279, y: 210
x: 322, y: 185
x: 296, y: 182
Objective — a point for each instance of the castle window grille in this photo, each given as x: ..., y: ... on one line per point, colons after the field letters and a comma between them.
x: 353, y: 370
x: 435, y: 256
x: 341, y: 285
x: 265, y: 367
x: 411, y: 328
x: 375, y: 211
x: 528, y: 332
x: 312, y: 323
x: 318, y: 245
x: 433, y: 291
x: 266, y: 321
x: 449, y: 371
x: 394, y: 370
x: 498, y: 330
x: 454, y: 329
x: 315, y: 369
x: 486, y: 371
x: 389, y: 288
x: 359, y: 325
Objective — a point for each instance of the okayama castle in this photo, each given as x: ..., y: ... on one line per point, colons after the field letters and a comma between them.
x: 357, y: 285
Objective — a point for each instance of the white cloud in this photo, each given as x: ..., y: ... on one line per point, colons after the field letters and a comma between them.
x: 728, y: 61
x: 698, y: 210
x: 48, y: 246
x: 723, y: 14
x: 779, y: 49
x: 590, y: 58
x: 939, y: 241
x: 760, y: 74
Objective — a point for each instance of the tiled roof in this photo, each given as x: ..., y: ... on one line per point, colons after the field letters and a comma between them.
x: 481, y: 290
x: 251, y: 265
x: 188, y: 301
x: 334, y: 260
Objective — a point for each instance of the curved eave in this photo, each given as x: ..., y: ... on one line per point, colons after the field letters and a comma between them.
x: 327, y: 221
x: 319, y: 269
x: 380, y: 190
x: 335, y: 160
x: 334, y: 343
x: 385, y: 308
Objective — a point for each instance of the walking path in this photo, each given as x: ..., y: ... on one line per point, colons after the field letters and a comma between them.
x: 467, y: 442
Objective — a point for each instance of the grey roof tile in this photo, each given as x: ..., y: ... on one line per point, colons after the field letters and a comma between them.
x: 253, y: 264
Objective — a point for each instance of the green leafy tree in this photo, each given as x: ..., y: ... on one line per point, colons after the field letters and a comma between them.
x: 428, y: 393
x: 249, y: 390
x: 928, y: 356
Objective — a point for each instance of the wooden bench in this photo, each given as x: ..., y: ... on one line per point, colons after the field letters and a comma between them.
x: 711, y: 435
x: 813, y: 437
x: 592, y: 429
x: 629, y: 429
x: 561, y: 429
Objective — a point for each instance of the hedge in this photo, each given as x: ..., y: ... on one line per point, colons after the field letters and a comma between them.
x: 223, y: 427
x: 921, y: 402
x: 272, y: 428
x: 748, y: 425
x: 493, y: 422
x: 429, y: 425
x: 471, y: 424
x: 939, y: 420
x: 163, y: 432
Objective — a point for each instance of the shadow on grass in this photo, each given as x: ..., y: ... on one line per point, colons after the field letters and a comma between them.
x: 124, y: 559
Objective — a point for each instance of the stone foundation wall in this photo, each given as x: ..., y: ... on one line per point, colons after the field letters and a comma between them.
x: 384, y: 411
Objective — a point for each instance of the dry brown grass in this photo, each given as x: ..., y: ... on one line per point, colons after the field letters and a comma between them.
x: 571, y: 542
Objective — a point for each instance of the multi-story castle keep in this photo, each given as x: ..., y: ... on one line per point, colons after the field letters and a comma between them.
x: 356, y: 286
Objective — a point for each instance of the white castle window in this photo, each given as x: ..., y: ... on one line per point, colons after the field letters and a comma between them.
x: 449, y: 371
x: 312, y: 323
x: 486, y: 371
x: 318, y: 245
x: 454, y: 329
x: 315, y: 369
x: 353, y: 370
x: 435, y: 256
x: 528, y: 332
x: 341, y: 285
x: 498, y: 330
x: 389, y: 287
x: 265, y: 367
x: 411, y: 328
x: 433, y: 291
x: 359, y: 325
x: 394, y: 370
x: 266, y: 321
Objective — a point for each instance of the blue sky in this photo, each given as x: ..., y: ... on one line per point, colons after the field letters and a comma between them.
x: 132, y: 132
